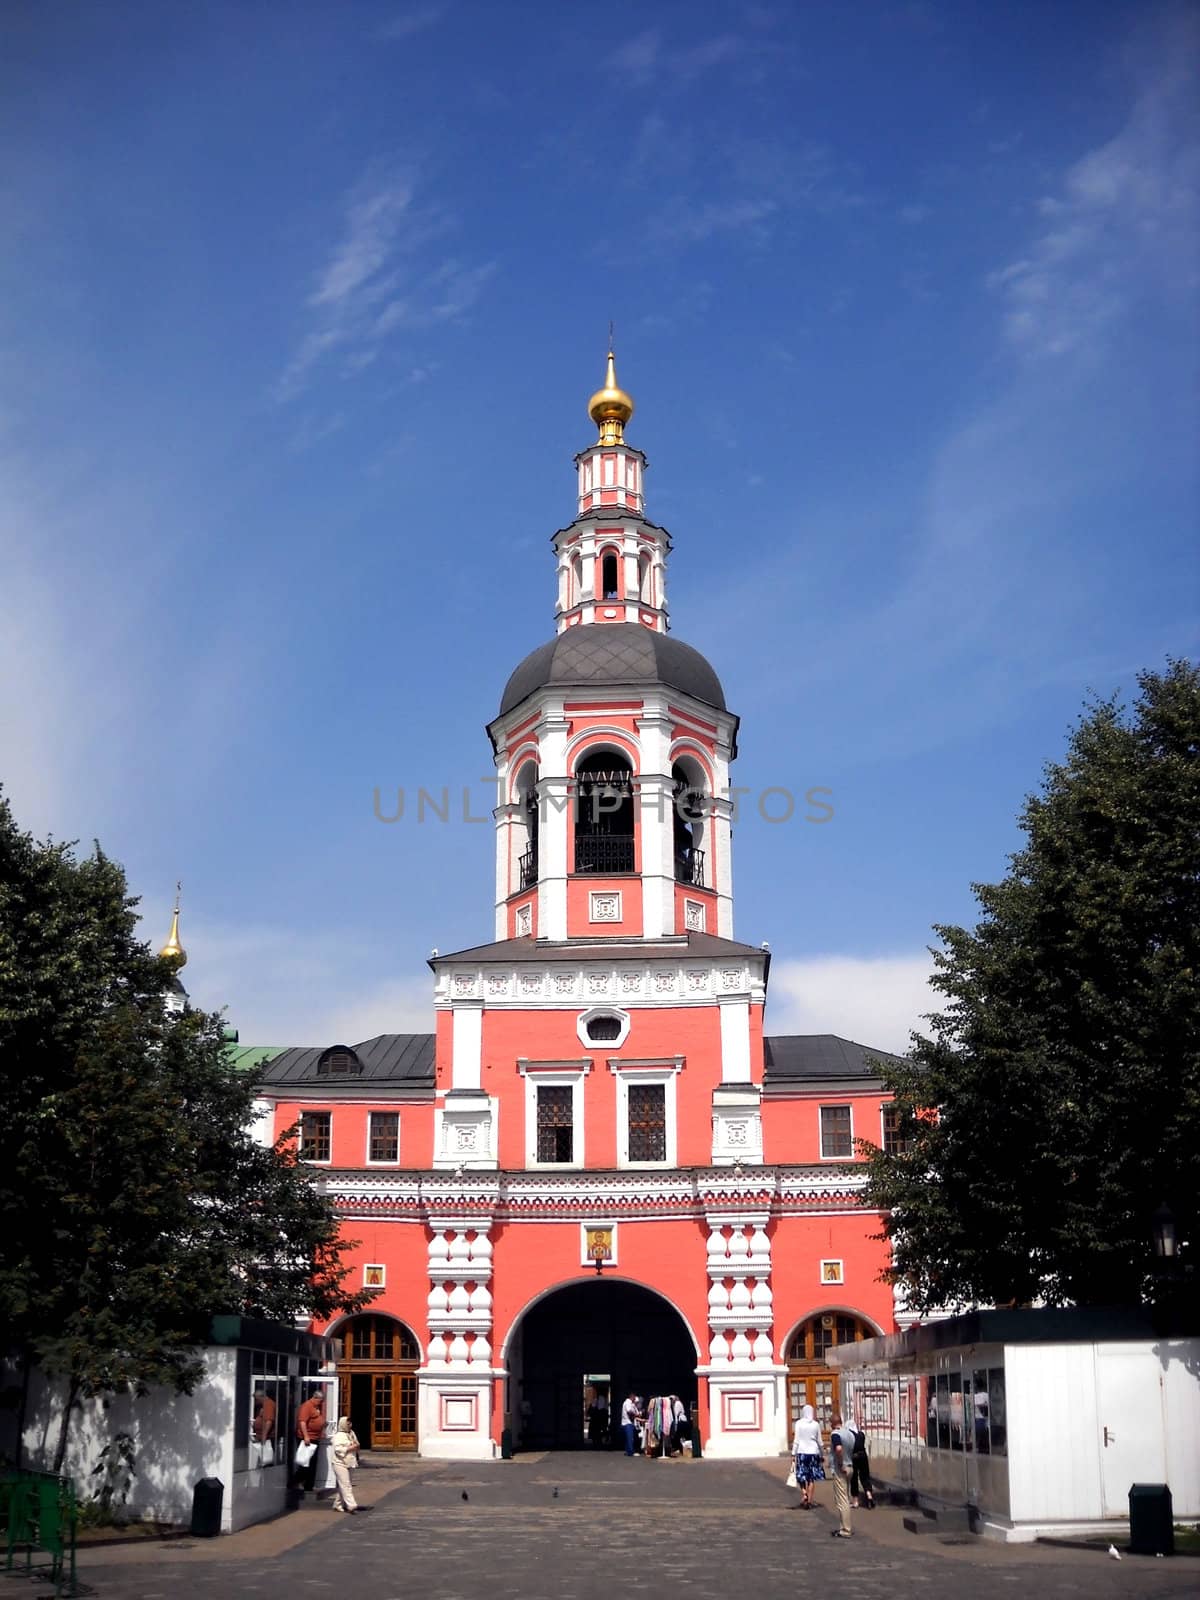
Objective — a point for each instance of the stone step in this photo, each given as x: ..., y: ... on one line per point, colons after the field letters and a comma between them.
x: 955, y: 1519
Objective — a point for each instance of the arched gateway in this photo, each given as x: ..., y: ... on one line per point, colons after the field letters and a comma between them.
x: 587, y: 1339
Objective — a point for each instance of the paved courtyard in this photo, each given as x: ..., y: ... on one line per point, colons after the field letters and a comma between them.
x: 700, y: 1529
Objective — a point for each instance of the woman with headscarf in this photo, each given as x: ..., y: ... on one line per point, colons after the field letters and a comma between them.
x: 806, y: 1450
x: 345, y: 1460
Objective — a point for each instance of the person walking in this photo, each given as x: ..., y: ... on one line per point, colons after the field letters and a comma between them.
x: 806, y: 1453
x: 345, y: 1461
x: 841, y: 1443
x: 629, y: 1415
x: 860, y: 1472
x: 310, y: 1430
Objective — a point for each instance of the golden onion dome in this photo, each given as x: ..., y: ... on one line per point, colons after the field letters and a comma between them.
x: 173, y: 951
x: 610, y: 408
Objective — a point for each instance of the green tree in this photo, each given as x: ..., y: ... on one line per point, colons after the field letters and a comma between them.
x: 1056, y: 1103
x: 134, y: 1202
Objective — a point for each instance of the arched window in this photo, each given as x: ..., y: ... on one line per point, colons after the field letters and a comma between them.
x: 526, y: 823
x: 377, y: 1382
x: 604, y: 813
x: 339, y: 1058
x: 577, y: 580
x: 377, y: 1339
x: 609, y: 580
x: 689, y: 813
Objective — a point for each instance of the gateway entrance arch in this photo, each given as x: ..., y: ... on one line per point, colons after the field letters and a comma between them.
x: 593, y: 1337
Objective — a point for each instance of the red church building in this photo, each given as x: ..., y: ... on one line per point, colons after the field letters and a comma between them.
x: 600, y: 1173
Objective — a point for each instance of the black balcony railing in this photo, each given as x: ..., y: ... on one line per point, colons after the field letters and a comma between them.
x: 527, y: 866
x: 689, y: 868
x: 604, y: 852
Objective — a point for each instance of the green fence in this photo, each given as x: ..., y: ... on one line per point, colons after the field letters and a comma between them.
x: 37, y: 1518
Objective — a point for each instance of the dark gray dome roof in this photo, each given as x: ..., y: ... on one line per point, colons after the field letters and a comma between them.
x: 614, y: 653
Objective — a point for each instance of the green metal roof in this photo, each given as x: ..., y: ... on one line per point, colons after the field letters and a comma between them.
x: 243, y: 1057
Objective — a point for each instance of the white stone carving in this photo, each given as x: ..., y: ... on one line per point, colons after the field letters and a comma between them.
x: 631, y: 983
x: 697, y: 980
x: 532, y: 983
x: 464, y: 983
x: 732, y: 977
x: 597, y: 983
x: 693, y: 916
x: 499, y: 984
x: 564, y: 983
x: 524, y: 921
x: 604, y: 907
x: 466, y: 1136
x: 664, y: 983
x: 737, y: 1133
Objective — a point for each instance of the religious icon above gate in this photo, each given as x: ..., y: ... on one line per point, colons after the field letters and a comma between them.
x: 599, y: 1244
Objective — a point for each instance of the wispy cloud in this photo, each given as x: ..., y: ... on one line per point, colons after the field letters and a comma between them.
x: 417, y: 19
x: 649, y: 57
x: 875, y: 1000
x: 1122, y: 224
x: 385, y: 275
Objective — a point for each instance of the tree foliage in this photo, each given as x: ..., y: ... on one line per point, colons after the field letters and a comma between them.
x: 1056, y: 1102
x: 134, y: 1201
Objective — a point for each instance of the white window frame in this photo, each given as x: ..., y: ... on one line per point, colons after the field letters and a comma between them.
x: 314, y: 1111
x: 835, y: 1105
x: 382, y: 1111
x: 627, y: 1073
x: 554, y: 1075
x: 581, y: 1027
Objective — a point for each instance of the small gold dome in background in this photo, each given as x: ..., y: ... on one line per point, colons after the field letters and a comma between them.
x: 173, y: 951
x: 610, y: 408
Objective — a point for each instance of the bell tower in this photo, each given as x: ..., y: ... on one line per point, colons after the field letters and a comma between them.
x: 613, y: 742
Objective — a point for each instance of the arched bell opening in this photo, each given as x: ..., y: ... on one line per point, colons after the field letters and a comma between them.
x: 377, y: 1381
x: 811, y: 1379
x: 689, y: 813
x: 596, y: 1338
x: 604, y: 815
x: 610, y: 574
x: 525, y: 828
x: 645, y: 581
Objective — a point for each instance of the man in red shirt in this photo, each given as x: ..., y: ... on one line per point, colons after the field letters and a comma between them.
x: 310, y: 1429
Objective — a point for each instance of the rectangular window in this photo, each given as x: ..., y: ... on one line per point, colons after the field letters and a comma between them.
x: 554, y: 1132
x: 384, y: 1138
x: 647, y: 1122
x: 893, y: 1143
x: 316, y: 1129
x: 837, y: 1139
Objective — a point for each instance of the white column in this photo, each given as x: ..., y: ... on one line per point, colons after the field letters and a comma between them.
x: 742, y: 1375
x: 467, y: 1045
x: 656, y: 819
x: 553, y: 825
x: 455, y: 1385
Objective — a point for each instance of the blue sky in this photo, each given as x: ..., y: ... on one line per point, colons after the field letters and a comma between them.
x: 300, y: 307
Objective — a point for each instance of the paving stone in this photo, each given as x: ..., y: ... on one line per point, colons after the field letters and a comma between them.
x: 704, y: 1530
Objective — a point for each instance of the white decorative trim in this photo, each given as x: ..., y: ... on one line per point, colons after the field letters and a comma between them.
x: 693, y: 915
x: 662, y: 978
x: 523, y: 922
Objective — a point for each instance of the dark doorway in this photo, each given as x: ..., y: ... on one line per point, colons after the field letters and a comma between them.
x: 619, y: 1329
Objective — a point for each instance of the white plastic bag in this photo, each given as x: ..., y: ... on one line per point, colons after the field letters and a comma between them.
x: 792, y: 1481
x: 305, y: 1451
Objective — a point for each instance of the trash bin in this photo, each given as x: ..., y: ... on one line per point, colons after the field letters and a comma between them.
x: 1151, y: 1522
x: 695, y: 1442
x: 206, y: 1508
